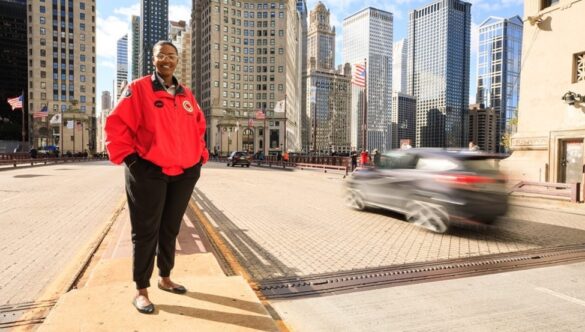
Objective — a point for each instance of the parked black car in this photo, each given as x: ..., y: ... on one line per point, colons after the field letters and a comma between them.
x: 432, y: 187
x: 241, y: 158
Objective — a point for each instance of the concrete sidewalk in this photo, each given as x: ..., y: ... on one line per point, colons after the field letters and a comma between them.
x: 214, y: 302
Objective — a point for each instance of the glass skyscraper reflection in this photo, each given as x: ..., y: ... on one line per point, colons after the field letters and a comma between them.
x: 438, y: 71
x: 498, y: 69
x: 367, y: 35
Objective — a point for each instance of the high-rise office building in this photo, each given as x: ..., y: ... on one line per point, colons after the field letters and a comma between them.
x: 482, y: 127
x: 180, y: 36
x: 403, y: 120
x: 367, y: 37
x: 106, y: 100
x: 121, y: 65
x: 62, y: 73
x: 438, y: 71
x: 135, y: 47
x: 243, y: 69
x: 329, y: 90
x: 154, y: 26
x: 498, y: 69
x: 321, y: 38
x: 296, y: 62
x: 399, y: 62
x: 101, y: 121
x: 13, y: 66
x: 302, y: 119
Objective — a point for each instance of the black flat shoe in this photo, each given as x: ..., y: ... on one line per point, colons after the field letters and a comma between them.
x: 176, y: 290
x: 148, y: 309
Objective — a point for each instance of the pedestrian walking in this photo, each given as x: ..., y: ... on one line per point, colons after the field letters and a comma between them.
x: 377, y: 156
x: 353, y: 157
x: 364, y: 158
x: 157, y: 129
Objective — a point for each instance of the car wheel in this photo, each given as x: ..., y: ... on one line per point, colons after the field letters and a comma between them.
x: 248, y: 165
x: 233, y: 164
x: 228, y: 164
x: 430, y: 216
x: 354, y: 200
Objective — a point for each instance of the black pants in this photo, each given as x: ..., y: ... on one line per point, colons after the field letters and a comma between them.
x: 157, y: 203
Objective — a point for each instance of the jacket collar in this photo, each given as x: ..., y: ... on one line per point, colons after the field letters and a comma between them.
x: 157, y: 85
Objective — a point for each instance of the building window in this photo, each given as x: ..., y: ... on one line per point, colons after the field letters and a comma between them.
x: 579, y: 67
x: 548, y: 3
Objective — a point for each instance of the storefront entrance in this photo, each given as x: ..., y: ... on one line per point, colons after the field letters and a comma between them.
x: 571, y: 161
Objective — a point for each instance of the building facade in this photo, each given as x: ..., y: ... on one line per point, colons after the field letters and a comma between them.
x: 321, y: 38
x: 180, y: 36
x: 498, y: 70
x: 399, y: 62
x: 135, y: 24
x: 62, y: 73
x: 296, y: 62
x: 367, y: 39
x: 121, y: 65
x: 154, y: 26
x: 549, y: 144
x: 242, y: 70
x: 483, y: 127
x: 106, y: 100
x: 403, y: 120
x: 438, y: 71
x: 329, y: 90
x: 13, y: 65
x: 329, y: 105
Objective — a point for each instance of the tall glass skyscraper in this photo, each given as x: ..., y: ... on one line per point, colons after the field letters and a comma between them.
x: 399, y: 61
x: 154, y: 26
x: 367, y: 35
x: 498, y: 69
x: 121, y: 64
x: 135, y: 47
x: 438, y: 71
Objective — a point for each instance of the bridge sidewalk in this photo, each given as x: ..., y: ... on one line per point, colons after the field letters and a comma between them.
x: 214, y: 301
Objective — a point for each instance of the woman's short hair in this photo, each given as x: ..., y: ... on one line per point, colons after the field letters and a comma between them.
x: 161, y: 43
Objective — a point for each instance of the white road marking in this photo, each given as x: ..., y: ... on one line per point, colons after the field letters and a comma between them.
x: 210, y: 219
x: 232, y: 244
x: 188, y: 221
x: 265, y: 262
x: 198, y: 242
x: 561, y: 296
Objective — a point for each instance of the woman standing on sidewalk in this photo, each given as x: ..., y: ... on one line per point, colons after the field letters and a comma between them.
x: 157, y: 129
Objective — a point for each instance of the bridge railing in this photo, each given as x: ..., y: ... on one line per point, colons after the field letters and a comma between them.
x: 572, y: 191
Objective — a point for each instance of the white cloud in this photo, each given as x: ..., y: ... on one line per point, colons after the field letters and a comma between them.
x: 128, y: 11
x: 180, y: 13
x: 109, y: 30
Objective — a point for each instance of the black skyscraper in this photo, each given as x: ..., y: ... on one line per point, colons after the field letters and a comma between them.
x: 154, y: 26
x: 13, y: 66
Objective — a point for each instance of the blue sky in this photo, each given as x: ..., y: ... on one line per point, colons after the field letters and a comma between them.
x: 113, y: 21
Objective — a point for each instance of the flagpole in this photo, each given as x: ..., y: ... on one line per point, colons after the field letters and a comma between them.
x: 23, y: 127
x: 365, y: 110
x: 285, y: 123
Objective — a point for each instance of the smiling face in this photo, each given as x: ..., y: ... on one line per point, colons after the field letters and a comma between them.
x: 165, y: 61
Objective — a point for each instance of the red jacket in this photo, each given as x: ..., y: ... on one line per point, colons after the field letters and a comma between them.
x: 168, y: 131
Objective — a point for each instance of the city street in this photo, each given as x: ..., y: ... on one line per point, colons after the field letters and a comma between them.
x: 295, y: 224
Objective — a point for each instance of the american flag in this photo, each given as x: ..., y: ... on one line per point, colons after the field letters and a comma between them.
x: 44, y: 112
x: 260, y: 115
x: 15, y: 102
x: 359, y: 76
